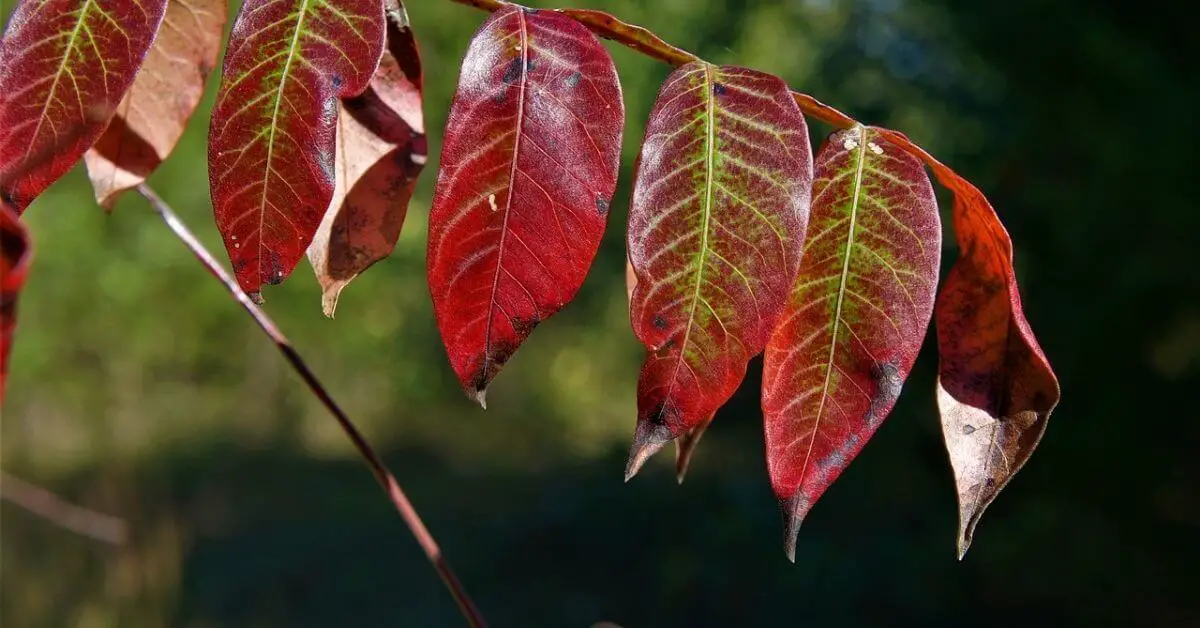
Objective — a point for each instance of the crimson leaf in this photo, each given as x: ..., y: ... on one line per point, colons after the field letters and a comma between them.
x: 528, y: 171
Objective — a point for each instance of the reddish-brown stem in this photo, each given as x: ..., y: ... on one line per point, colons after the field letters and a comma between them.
x: 62, y: 513
x: 388, y: 481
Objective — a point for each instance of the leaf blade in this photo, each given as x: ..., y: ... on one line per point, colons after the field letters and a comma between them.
x: 58, y: 90
x: 155, y: 111
x: 513, y: 229
x: 272, y: 140
x: 719, y: 211
x: 380, y: 153
x: 856, y: 317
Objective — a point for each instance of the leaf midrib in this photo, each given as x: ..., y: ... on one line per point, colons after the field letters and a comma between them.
x: 62, y: 66
x: 284, y: 75
x: 512, y: 179
x: 709, y: 158
x: 841, y: 293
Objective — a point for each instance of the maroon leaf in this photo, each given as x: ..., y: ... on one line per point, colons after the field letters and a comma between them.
x: 163, y: 97
x: 272, y: 141
x: 527, y: 174
x: 16, y: 251
x: 718, y: 215
x: 996, y: 389
x: 380, y: 153
x: 856, y: 318
x: 64, y: 67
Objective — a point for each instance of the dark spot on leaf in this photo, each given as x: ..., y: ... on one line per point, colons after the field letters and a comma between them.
x: 524, y: 326
x: 602, y: 205
x: 660, y: 323
x: 887, y: 390
x: 338, y: 81
x: 512, y: 73
x: 718, y: 89
x: 273, y: 273
x: 990, y: 482
x: 573, y: 79
x: 968, y: 429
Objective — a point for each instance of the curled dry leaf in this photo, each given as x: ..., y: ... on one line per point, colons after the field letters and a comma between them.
x: 527, y: 174
x: 380, y: 153
x: 163, y: 97
x: 718, y: 215
x: 271, y: 143
x: 16, y: 251
x: 996, y: 389
x: 57, y: 93
x: 856, y: 317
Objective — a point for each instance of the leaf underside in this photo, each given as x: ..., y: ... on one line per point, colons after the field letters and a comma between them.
x: 271, y: 144
x: 163, y: 97
x: 718, y: 215
x: 380, y: 153
x: 527, y: 174
x: 64, y: 67
x: 856, y: 318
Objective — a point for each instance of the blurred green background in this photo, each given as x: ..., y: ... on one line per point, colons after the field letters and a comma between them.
x: 139, y: 389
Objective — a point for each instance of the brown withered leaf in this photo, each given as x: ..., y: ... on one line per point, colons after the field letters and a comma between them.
x: 156, y: 109
x: 380, y: 153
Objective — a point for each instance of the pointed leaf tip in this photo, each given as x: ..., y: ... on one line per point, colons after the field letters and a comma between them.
x: 794, y: 509
x: 648, y: 439
x: 480, y: 397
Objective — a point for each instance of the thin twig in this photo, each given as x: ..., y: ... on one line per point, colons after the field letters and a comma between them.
x: 388, y: 481
x: 62, y: 513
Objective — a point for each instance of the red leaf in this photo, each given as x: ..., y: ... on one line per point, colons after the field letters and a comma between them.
x: 272, y: 141
x: 718, y: 215
x: 64, y: 67
x: 528, y: 171
x: 995, y: 387
x: 856, y: 318
x: 163, y: 97
x: 16, y: 251
x: 380, y: 153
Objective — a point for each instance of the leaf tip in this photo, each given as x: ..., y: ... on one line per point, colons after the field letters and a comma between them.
x: 648, y: 439
x: 480, y: 397
x: 794, y: 509
x: 329, y: 300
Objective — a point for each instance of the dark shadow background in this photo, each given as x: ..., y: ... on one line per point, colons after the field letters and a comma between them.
x: 139, y: 389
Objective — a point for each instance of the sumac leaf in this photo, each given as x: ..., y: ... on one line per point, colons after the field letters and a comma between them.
x: 380, y: 153
x: 856, y: 317
x: 64, y: 67
x: 163, y: 97
x: 996, y: 389
x: 718, y: 215
x: 528, y: 171
x: 272, y: 140
x: 16, y: 251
